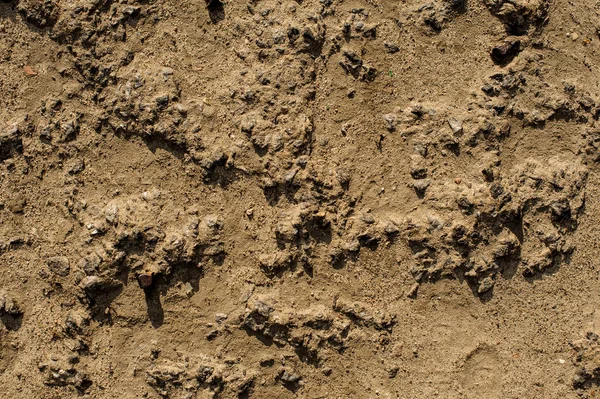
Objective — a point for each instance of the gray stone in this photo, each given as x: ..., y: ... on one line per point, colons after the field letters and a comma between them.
x: 59, y: 265
x: 77, y: 167
x: 456, y: 126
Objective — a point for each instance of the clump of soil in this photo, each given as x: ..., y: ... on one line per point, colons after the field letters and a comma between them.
x: 333, y: 198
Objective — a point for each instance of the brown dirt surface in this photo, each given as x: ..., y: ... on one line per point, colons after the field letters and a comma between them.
x: 299, y: 199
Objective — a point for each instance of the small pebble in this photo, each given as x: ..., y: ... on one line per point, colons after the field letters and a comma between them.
x: 29, y: 71
x: 145, y: 280
x: 59, y: 265
x: 455, y: 125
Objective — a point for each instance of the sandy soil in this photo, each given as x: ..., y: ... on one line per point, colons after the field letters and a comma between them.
x: 299, y: 199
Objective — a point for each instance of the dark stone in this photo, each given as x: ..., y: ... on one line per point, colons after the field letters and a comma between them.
x: 506, y: 51
x: 162, y: 102
x: 145, y: 280
x: 391, y: 48
x: 496, y: 190
x: 418, y: 172
x: 489, y: 89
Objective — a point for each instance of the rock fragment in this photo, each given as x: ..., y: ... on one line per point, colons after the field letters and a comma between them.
x: 390, y: 121
x: 111, y: 213
x: 59, y: 265
x: 77, y: 167
x: 29, y: 71
x: 421, y: 185
x: 145, y: 280
x: 8, y: 305
x: 95, y: 285
x: 456, y: 126
x: 506, y: 51
x: 287, y: 376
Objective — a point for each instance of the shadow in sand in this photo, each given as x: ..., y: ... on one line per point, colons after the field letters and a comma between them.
x: 12, y: 323
x: 216, y: 11
x: 156, y: 313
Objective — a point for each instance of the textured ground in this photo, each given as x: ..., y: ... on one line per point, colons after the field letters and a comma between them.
x: 312, y: 199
